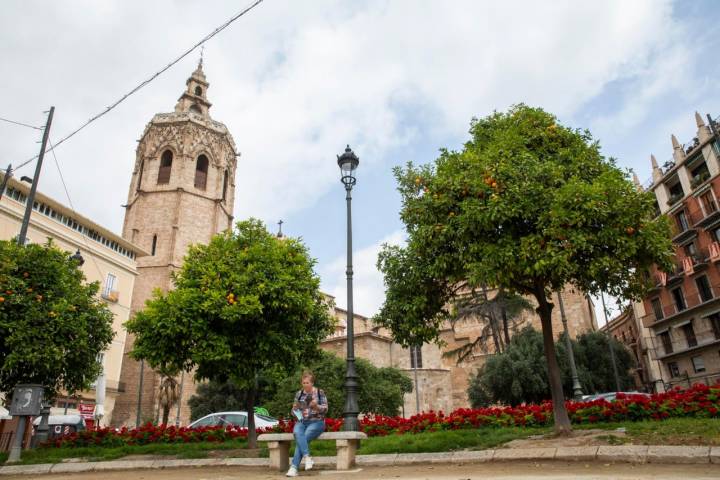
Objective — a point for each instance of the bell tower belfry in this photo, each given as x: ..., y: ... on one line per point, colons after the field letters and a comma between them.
x: 181, y: 192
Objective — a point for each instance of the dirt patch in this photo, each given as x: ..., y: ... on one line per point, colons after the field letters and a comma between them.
x: 578, y: 438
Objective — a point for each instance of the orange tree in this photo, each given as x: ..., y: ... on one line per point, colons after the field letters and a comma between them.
x: 52, y: 324
x: 246, y: 303
x: 528, y: 206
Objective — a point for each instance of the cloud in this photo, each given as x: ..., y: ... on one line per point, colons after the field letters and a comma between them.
x: 295, y: 81
x: 368, y: 288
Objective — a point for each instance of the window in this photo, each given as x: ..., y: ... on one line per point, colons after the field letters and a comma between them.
x: 708, y: 203
x: 714, y: 320
x: 198, y: 91
x: 208, y: 421
x: 673, y: 369
x: 691, y: 250
x: 682, y: 221
x: 698, y: 364
x: 666, y: 342
x: 225, y: 185
x: 234, y: 419
x: 195, y: 109
x: 690, y: 335
x: 703, y: 287
x: 201, y: 171
x: 679, y: 299
x: 109, y: 284
x: 165, y: 167
x: 415, y: 357
x: 657, y: 308
x: 716, y: 235
x: 154, y: 244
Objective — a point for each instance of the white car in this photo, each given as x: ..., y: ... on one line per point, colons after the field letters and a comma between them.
x: 236, y: 419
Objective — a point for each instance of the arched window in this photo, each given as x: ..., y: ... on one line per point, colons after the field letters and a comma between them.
x: 195, y: 109
x: 198, y: 91
x: 165, y: 167
x: 140, y: 174
x: 201, y: 171
x: 154, y: 245
x: 225, y: 185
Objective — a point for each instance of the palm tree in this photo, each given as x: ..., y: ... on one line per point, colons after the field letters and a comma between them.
x: 169, y: 393
x: 499, y: 315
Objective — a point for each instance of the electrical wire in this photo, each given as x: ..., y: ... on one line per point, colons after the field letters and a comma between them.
x: 20, y: 123
x: 153, y: 77
x: 72, y: 207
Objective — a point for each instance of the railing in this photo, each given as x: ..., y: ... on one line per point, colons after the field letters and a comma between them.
x: 111, y: 295
x: 680, y: 344
x: 692, y: 298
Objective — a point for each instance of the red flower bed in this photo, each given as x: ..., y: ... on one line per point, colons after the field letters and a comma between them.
x: 700, y: 401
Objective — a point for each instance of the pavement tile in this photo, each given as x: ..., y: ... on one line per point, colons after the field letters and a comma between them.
x: 123, y: 465
x: 246, y: 462
x: 410, y: 458
x: 623, y: 453
x: 714, y: 454
x: 473, y: 456
x: 26, y: 469
x: 383, y: 459
x: 504, y: 454
x: 577, y: 454
x: 678, y: 454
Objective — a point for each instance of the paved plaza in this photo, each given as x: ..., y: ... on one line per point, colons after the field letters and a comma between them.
x: 500, y: 471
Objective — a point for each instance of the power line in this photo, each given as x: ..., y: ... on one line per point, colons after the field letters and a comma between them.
x: 72, y: 207
x: 153, y: 77
x: 22, y: 124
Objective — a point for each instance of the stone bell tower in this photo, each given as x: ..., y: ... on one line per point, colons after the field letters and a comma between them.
x: 181, y: 192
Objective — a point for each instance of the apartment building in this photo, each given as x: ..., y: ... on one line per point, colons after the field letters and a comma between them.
x: 680, y: 317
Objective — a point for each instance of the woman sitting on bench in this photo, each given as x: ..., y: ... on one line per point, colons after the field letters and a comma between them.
x: 309, y: 410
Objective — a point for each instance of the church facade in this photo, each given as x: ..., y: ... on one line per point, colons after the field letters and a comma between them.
x: 181, y: 192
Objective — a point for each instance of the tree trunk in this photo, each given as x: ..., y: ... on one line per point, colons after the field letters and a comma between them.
x: 250, y: 408
x: 506, y: 329
x: 166, y: 414
x: 562, y: 421
x: 493, y: 324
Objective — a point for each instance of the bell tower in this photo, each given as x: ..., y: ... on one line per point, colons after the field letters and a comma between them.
x: 181, y: 192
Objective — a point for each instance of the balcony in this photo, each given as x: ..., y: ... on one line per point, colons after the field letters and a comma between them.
x: 699, y: 179
x: 692, y: 300
x: 680, y: 344
x: 696, y: 262
x: 676, y: 276
x: 675, y: 198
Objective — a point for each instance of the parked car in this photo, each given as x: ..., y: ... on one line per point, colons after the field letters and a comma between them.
x: 610, y: 396
x: 236, y: 419
x: 61, y: 424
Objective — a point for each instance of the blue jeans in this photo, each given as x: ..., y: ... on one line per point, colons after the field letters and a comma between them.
x: 305, y: 431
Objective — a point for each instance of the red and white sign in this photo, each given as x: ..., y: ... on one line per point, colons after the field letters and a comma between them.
x: 87, y: 410
x: 688, y: 266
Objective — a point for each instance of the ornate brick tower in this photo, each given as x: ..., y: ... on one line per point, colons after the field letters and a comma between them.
x: 181, y: 192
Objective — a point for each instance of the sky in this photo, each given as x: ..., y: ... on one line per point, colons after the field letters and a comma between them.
x: 295, y: 82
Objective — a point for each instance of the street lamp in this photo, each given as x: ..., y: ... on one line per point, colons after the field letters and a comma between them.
x: 348, y: 162
x: 577, y: 389
x: 78, y: 258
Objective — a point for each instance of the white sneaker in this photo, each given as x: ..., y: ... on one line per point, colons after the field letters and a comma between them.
x: 309, y: 462
x: 292, y: 472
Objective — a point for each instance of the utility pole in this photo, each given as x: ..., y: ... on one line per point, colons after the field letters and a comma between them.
x: 8, y: 174
x: 609, y: 337
x: 36, y: 179
x: 577, y: 389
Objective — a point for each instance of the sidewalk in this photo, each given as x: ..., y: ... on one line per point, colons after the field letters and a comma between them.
x: 634, y: 454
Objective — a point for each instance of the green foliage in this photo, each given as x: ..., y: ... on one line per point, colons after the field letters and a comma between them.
x: 52, y: 325
x: 224, y: 396
x: 381, y: 390
x: 529, y: 381
x: 528, y: 206
x: 244, y: 303
x: 592, y: 356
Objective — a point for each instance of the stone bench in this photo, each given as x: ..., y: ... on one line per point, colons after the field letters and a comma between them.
x: 279, y: 446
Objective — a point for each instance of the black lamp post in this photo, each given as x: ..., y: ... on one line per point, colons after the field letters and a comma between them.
x: 78, y: 258
x: 348, y: 162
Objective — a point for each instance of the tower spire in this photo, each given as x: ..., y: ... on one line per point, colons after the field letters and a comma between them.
x: 194, y: 98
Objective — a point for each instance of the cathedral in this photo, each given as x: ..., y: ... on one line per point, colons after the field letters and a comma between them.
x: 181, y: 192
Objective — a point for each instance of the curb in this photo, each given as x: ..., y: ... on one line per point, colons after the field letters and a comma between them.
x: 635, y: 454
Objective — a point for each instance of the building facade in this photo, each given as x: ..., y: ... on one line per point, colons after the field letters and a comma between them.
x: 439, y: 381
x: 181, y: 192
x: 109, y: 259
x: 682, y: 311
